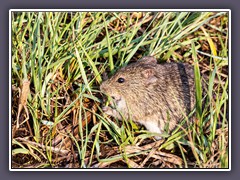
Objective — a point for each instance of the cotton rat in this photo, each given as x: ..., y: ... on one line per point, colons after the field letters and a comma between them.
x: 151, y: 94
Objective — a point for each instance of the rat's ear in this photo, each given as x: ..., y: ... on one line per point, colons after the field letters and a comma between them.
x: 148, y: 60
x: 149, y: 75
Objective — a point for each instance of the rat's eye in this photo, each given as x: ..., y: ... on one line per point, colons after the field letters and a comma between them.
x: 120, y: 80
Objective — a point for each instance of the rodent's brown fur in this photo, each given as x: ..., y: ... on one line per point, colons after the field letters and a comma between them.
x: 152, y: 94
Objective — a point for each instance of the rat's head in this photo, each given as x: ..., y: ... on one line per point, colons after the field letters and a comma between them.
x: 130, y: 81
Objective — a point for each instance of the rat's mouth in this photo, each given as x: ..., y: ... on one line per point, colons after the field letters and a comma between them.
x: 115, y: 106
x: 115, y: 101
x: 112, y: 101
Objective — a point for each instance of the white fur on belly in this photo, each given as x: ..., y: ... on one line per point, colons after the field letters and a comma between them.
x: 152, y: 127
